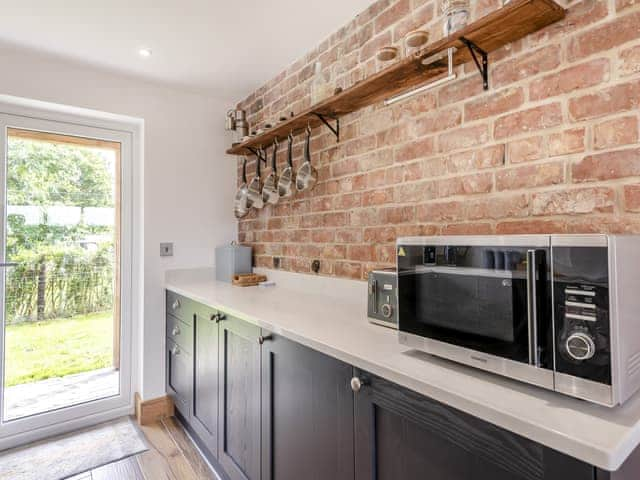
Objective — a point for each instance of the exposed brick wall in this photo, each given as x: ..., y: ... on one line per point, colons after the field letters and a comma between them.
x: 551, y: 147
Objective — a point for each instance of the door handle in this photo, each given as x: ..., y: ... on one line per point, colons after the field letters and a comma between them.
x: 264, y: 338
x: 532, y: 306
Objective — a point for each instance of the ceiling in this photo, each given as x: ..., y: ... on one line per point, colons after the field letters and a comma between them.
x: 227, y: 48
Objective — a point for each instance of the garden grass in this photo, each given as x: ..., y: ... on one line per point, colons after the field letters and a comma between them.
x: 59, y: 347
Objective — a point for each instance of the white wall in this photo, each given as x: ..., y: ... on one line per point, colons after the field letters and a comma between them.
x: 189, y: 183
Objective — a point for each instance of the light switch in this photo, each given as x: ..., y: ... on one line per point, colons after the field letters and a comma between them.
x: 166, y: 249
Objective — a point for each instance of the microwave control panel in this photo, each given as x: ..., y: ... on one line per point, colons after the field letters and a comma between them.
x: 581, y: 297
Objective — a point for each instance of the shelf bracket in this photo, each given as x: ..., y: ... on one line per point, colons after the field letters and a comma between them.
x: 483, y: 67
x: 258, y: 154
x: 336, y: 130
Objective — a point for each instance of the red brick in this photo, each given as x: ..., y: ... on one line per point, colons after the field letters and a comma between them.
x: 370, y: 48
x: 349, y: 235
x: 629, y: 61
x: 377, y: 197
x: 361, y: 253
x: 525, y: 66
x: 459, y: 90
x: 477, y: 159
x: 537, y: 118
x: 526, y: 150
x: 467, y: 229
x: 624, y: 4
x: 441, y: 211
x: 615, y: 133
x: 603, y: 38
x: 438, y: 120
x: 418, y: 19
x: 469, y: 184
x: 334, y: 252
x: 414, y: 106
x: 391, y: 15
x: 573, y: 202
x: 607, y: 166
x: 566, y: 142
x: 495, y: 104
x: 417, y: 149
x: 322, y: 204
x: 323, y: 236
x: 391, y: 215
x: 528, y: 176
x: 348, y: 200
x: 380, y: 234
x: 345, y: 167
x: 618, y: 98
x: 463, y: 138
x: 499, y: 207
x: 530, y: 226
x: 377, y: 159
x: 348, y: 270
x: 414, y: 192
x: 385, y: 253
x: 579, y: 15
x: 632, y: 198
x: 571, y: 79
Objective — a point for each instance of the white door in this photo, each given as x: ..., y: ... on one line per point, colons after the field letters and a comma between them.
x: 65, y: 249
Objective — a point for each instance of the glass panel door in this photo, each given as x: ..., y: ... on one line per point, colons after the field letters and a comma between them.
x: 61, y: 270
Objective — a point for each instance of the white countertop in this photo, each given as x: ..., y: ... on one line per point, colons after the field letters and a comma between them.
x: 329, y: 315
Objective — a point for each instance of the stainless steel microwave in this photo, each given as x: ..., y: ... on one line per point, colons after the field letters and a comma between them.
x: 558, y: 311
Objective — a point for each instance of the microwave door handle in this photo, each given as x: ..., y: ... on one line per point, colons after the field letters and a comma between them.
x: 373, y: 290
x: 532, y: 307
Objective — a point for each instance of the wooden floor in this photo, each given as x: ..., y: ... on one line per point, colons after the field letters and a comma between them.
x: 171, y: 456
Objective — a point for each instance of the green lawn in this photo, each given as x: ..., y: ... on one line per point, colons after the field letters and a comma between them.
x: 36, y: 351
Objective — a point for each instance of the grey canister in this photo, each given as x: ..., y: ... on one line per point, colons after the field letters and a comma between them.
x: 232, y: 260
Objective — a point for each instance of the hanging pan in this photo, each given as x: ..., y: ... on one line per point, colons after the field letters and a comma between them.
x: 307, y: 175
x: 270, y: 189
x: 241, y: 204
x: 286, y: 180
x: 255, y: 187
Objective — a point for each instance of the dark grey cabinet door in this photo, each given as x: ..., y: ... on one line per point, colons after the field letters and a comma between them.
x: 179, y: 371
x: 205, y: 387
x: 400, y: 434
x: 239, y: 440
x: 307, y: 414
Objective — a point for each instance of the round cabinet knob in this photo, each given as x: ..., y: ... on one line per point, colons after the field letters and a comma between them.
x: 387, y: 310
x: 580, y: 346
x: 175, y: 350
x: 176, y: 304
x: 357, y: 384
x: 264, y: 338
x: 175, y: 331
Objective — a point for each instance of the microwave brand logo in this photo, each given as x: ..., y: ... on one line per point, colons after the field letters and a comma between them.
x: 478, y: 359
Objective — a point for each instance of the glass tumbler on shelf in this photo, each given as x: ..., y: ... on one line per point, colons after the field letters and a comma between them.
x: 456, y: 15
x: 414, y: 41
x: 385, y: 57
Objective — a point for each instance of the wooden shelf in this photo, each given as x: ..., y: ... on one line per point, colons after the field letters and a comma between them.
x: 501, y: 27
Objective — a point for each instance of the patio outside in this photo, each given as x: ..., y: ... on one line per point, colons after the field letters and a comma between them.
x: 61, y: 334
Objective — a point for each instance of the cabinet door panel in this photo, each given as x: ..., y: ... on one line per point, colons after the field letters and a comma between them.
x: 307, y: 419
x: 180, y: 377
x: 205, y: 401
x: 400, y: 434
x: 239, y: 449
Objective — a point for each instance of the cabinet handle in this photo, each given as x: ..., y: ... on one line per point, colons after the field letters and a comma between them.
x: 264, y: 338
x: 175, y: 350
x: 175, y: 331
x: 357, y: 384
x: 218, y: 317
x: 176, y: 304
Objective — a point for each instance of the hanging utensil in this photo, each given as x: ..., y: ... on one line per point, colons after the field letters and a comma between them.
x: 307, y: 175
x: 241, y: 203
x: 285, y: 182
x: 270, y: 189
x: 254, y: 193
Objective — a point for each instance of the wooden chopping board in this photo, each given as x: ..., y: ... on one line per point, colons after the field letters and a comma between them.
x: 248, y: 279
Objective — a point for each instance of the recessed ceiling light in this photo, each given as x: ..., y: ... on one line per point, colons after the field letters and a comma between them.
x: 145, y: 52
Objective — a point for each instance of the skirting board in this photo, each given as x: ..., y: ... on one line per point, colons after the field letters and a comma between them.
x: 150, y: 411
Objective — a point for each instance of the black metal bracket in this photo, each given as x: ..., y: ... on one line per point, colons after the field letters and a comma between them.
x: 482, y: 68
x: 258, y: 154
x: 336, y: 130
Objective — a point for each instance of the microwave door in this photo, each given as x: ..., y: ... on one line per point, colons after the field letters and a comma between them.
x: 486, y: 299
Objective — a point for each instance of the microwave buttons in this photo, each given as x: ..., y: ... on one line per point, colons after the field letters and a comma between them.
x: 580, y: 346
x: 578, y: 316
x: 583, y: 293
x: 387, y: 310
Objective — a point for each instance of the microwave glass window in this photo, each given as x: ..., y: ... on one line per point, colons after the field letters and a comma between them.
x: 475, y: 297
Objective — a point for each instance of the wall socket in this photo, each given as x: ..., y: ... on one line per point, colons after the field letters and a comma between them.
x: 166, y: 249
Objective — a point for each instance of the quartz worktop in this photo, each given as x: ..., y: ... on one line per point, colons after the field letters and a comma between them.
x: 329, y: 315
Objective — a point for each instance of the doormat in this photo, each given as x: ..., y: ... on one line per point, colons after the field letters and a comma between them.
x: 66, y: 455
